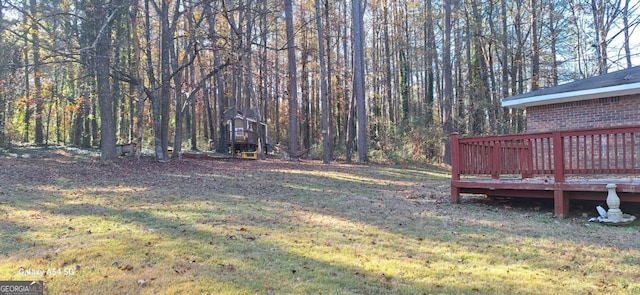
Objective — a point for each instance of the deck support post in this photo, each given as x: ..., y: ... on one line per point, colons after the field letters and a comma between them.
x: 455, y: 194
x: 455, y: 167
x: 560, y: 203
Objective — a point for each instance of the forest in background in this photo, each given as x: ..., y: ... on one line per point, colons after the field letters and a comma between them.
x: 381, y: 79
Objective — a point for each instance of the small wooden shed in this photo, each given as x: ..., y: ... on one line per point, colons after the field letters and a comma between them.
x: 244, y: 131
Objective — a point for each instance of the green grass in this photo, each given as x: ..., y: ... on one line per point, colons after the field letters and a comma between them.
x: 273, y: 227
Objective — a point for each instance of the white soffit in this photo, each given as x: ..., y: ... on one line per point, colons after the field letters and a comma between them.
x: 611, y: 91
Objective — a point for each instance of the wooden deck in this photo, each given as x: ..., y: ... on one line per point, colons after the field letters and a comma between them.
x: 562, y: 165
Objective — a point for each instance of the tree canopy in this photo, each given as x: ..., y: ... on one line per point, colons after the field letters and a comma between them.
x: 380, y: 79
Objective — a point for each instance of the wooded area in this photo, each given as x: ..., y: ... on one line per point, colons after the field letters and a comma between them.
x: 383, y: 79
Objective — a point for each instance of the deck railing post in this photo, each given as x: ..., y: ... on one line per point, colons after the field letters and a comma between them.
x: 526, y: 155
x: 455, y: 167
x: 496, y: 160
x: 558, y: 157
x: 455, y: 156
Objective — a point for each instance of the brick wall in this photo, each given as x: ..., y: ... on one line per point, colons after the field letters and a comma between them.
x: 595, y: 113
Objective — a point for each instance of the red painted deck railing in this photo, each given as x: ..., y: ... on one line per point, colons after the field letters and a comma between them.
x: 578, y: 152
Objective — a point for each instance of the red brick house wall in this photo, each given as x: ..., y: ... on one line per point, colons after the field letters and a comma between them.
x: 594, y: 113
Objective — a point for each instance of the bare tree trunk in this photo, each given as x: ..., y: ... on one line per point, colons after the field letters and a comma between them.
x: 390, y: 112
x: 119, y: 99
x: 27, y: 92
x: 222, y: 106
x: 447, y: 82
x: 277, y: 97
x: 193, y: 102
x: 625, y: 20
x: 605, y: 14
x: 92, y: 123
x: 350, y: 129
x: 137, y: 91
x: 553, y: 31
x: 37, y: 74
x: 357, y: 9
x: 107, y: 118
x: 327, y: 133
x: 430, y: 64
x: 598, y: 17
x: 535, y: 47
x: 344, y: 106
x: 504, y: 60
x: 330, y: 70
x: 293, y: 87
x: 78, y: 120
x: 156, y: 105
x: 212, y: 117
x: 178, y: 78
x: 166, y: 38
x: 479, y: 94
x: 179, y: 113
x: 193, y: 131
x: 210, y: 109
x: 305, y: 92
x: 219, y: 94
x: 263, y: 88
x: 517, y: 69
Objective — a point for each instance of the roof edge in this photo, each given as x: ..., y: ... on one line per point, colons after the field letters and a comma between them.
x: 571, y: 96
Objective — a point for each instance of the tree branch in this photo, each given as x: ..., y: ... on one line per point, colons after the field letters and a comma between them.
x: 203, y: 82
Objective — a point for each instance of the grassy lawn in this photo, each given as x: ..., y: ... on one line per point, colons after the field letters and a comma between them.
x: 277, y: 227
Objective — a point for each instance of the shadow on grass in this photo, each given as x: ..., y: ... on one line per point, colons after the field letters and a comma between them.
x: 250, y: 262
x: 290, y: 228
